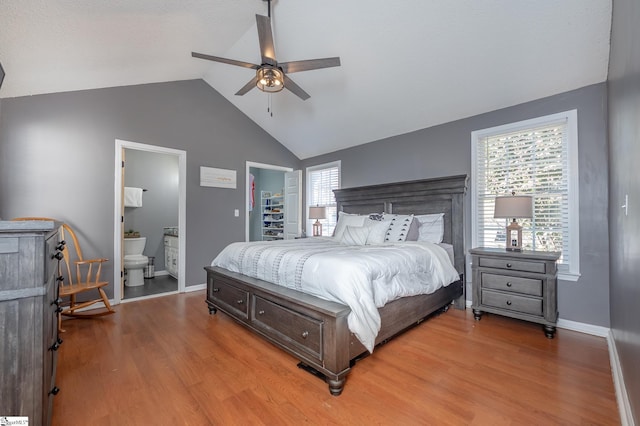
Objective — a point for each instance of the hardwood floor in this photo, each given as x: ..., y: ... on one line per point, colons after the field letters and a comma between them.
x: 166, y: 361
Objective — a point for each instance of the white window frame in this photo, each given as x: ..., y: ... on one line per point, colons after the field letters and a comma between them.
x: 570, y: 272
x: 329, y: 223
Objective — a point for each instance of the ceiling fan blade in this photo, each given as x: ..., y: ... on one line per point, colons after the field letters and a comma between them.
x: 295, y: 89
x: 265, y: 36
x: 311, y: 64
x: 250, y: 85
x: 225, y: 60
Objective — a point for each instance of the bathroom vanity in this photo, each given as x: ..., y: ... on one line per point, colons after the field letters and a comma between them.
x: 171, y: 251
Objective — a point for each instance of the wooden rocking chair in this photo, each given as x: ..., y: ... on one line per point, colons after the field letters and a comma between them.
x: 80, y: 276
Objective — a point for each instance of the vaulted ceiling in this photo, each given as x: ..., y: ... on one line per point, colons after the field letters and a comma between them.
x: 406, y: 64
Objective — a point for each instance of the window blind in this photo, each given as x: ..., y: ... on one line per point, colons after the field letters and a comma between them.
x: 531, y: 161
x: 321, y: 183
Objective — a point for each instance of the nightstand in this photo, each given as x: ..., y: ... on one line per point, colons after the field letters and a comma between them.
x: 520, y: 285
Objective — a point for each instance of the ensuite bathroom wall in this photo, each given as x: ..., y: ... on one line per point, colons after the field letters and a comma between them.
x: 159, y: 175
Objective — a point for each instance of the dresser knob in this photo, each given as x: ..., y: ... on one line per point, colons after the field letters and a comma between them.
x: 240, y: 302
x: 509, y: 284
x: 305, y: 334
x: 55, y: 346
x: 508, y: 302
x: 60, y: 278
x: 60, y: 245
x: 59, y: 309
x: 54, y: 391
x: 260, y: 312
x: 59, y: 340
x: 508, y: 265
x: 216, y: 289
x: 58, y: 256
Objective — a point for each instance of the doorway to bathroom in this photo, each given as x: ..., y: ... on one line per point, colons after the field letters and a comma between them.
x: 149, y: 215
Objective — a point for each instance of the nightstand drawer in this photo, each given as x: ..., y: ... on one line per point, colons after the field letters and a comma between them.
x: 528, y: 286
x: 512, y: 302
x: 512, y: 264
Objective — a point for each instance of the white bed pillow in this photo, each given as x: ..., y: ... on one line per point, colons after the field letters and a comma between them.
x: 377, y: 230
x: 347, y: 219
x: 355, y: 235
x: 403, y: 227
x: 431, y: 227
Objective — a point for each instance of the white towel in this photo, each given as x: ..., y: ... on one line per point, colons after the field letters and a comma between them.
x: 132, y: 197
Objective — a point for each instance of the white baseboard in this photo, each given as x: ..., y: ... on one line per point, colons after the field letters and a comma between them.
x: 581, y: 327
x: 196, y: 287
x: 624, y: 404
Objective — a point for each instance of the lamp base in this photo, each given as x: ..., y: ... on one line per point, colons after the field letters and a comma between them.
x: 317, y: 229
x: 514, y: 236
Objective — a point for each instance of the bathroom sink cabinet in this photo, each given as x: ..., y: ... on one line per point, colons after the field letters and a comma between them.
x: 171, y: 255
x: 28, y: 314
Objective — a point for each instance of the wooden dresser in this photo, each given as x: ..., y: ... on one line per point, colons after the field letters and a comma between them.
x: 520, y: 285
x: 28, y: 318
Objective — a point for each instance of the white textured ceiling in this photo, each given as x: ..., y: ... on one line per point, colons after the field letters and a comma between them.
x: 406, y: 64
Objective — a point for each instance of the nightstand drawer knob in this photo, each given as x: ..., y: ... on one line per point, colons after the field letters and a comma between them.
x: 509, y: 265
x: 508, y: 284
x: 508, y: 302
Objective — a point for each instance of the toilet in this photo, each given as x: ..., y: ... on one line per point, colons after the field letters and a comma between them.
x: 134, y: 261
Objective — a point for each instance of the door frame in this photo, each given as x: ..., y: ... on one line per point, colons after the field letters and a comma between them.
x: 118, y: 227
x: 249, y: 165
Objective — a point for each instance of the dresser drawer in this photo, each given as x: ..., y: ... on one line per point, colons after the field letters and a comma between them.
x: 230, y: 298
x: 528, y: 286
x: 512, y: 264
x: 288, y: 326
x: 512, y: 302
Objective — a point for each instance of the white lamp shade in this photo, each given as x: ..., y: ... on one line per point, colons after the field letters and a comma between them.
x: 317, y: 212
x: 513, y: 206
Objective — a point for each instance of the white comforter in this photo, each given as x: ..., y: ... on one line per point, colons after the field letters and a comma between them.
x: 361, y: 277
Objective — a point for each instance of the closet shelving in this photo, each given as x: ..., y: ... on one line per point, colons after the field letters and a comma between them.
x: 272, y: 207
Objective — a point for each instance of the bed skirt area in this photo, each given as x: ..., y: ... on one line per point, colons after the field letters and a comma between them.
x: 313, y: 330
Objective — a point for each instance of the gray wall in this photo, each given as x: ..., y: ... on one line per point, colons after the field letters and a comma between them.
x: 159, y: 175
x: 57, y: 155
x: 446, y: 150
x: 624, y: 178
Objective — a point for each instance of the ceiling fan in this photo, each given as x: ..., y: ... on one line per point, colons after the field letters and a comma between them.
x: 271, y: 76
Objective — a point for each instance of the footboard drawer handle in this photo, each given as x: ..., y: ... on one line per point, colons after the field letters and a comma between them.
x: 240, y: 302
x: 508, y: 284
x: 508, y: 302
x: 305, y: 334
x: 260, y: 312
x: 508, y: 265
x: 216, y: 289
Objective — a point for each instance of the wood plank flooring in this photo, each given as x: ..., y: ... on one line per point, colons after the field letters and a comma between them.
x: 166, y: 361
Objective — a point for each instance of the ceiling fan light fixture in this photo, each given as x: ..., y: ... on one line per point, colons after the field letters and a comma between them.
x: 269, y: 79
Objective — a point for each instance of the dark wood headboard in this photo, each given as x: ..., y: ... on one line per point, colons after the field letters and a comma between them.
x: 437, y: 195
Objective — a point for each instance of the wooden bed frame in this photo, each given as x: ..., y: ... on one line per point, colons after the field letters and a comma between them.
x: 314, y: 330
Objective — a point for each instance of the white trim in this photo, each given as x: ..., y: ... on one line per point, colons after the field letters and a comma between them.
x: 196, y: 287
x: 571, y: 118
x: 594, y: 330
x: 247, y: 192
x: 117, y: 212
x: 624, y: 403
x: 149, y: 296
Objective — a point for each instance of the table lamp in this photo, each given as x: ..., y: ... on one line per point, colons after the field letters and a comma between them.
x: 512, y: 207
x: 317, y: 213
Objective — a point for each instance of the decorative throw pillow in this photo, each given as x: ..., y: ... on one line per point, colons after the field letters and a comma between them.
x: 377, y: 231
x: 402, y: 228
x: 431, y: 227
x: 355, y: 235
x: 347, y: 219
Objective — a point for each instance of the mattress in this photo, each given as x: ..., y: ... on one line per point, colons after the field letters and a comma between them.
x: 364, y: 278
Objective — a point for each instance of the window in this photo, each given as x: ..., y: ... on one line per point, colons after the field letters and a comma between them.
x: 321, y: 181
x: 537, y: 157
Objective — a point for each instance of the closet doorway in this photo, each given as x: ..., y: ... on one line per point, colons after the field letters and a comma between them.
x: 283, y: 185
x: 159, y: 218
